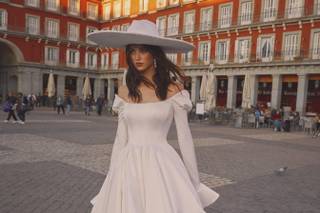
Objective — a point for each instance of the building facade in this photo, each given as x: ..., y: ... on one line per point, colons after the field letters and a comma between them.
x: 277, y: 42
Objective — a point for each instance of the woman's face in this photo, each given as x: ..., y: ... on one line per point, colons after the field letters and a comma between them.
x: 141, y: 58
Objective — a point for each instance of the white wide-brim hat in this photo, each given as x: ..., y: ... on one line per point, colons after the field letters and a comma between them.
x: 142, y: 32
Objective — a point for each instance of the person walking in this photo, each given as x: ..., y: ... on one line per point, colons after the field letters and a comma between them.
x: 87, y: 105
x: 10, y: 107
x: 69, y: 104
x: 146, y: 174
x: 316, y: 120
x: 60, y: 104
x: 100, y: 104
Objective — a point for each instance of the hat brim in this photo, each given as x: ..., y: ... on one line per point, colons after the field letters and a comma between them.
x: 118, y: 39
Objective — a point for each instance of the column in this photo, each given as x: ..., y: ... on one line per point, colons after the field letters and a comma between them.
x: 24, y: 82
x: 98, y: 87
x: 254, y: 89
x: 79, y: 86
x: 61, y: 81
x: 195, y: 89
x: 4, y: 84
x: 231, y: 98
x: 110, y: 94
x: 36, y: 84
x: 302, y: 93
x: 276, y: 91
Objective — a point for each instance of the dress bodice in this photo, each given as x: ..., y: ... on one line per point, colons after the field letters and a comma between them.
x: 150, y: 120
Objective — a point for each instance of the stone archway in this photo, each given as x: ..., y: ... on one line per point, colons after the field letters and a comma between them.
x: 10, y: 57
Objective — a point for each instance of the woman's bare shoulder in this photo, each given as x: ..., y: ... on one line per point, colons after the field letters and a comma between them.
x: 123, y: 91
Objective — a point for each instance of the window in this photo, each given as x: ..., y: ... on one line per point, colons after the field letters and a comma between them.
x: 32, y: 25
x: 294, y: 8
x: 143, y: 6
x: 3, y: 19
x: 189, y: 22
x: 125, y: 27
x: 73, y: 58
x: 92, y: 11
x: 173, y: 24
x: 204, y: 52
x: 104, y: 60
x: 91, y: 60
x: 90, y: 30
x: 206, y: 19
x: 161, y: 25
x: 106, y: 11
x: 115, y: 60
x: 269, y: 12
x: 51, y: 55
x: 245, y: 12
x: 291, y: 47
x: 265, y: 48
x: 242, y: 50
x: 172, y: 57
x: 116, y: 9
x: 316, y: 45
x: 74, y: 7
x: 173, y: 2
x: 52, y: 5
x: 52, y: 28
x: 188, y: 1
x: 187, y: 58
x: 222, y: 51
x: 73, y: 32
x: 317, y: 7
x: 161, y: 3
x: 32, y: 3
x: 225, y: 15
x: 126, y: 7
x: 116, y: 27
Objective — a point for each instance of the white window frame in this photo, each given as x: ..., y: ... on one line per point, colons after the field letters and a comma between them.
x: 189, y: 27
x: 35, y: 29
x: 241, y: 50
x: 105, y: 60
x: 173, y: 2
x: 52, y: 5
x: 316, y: 7
x: 143, y: 6
x: 225, y: 17
x: 52, y: 33
x: 91, y: 64
x: 76, y: 61
x: 126, y: 7
x: 259, y: 47
x: 269, y: 13
x: 106, y: 11
x: 32, y: 3
x: 92, y: 11
x: 4, y: 19
x: 173, y: 29
x: 188, y: 1
x: 294, y: 11
x: 289, y: 53
x: 173, y: 57
x: 206, y: 25
x: 315, y: 44
x: 77, y: 31
x: 91, y: 29
x: 74, y: 11
x: 225, y: 59
x: 115, y: 59
x: 116, y: 27
x: 187, y: 58
x: 161, y: 4
x: 124, y: 27
x: 204, y: 57
x: 56, y: 56
x: 245, y: 16
x: 161, y: 26
x: 116, y: 9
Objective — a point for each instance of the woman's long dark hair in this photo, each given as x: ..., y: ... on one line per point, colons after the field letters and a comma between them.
x: 166, y: 73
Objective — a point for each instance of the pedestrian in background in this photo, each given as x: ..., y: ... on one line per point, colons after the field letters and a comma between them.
x: 60, y: 104
x: 87, y: 105
x: 100, y: 104
x: 69, y: 104
x: 10, y: 106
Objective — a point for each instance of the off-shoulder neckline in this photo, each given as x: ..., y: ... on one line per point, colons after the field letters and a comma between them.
x: 154, y: 102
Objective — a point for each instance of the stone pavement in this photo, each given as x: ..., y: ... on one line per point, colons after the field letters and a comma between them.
x: 58, y: 163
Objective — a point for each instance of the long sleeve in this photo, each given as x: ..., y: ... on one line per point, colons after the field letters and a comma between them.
x: 121, y: 137
x: 182, y: 105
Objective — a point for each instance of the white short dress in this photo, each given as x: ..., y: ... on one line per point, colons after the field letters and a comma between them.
x: 146, y: 174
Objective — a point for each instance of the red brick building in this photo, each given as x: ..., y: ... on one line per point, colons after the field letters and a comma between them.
x: 277, y: 42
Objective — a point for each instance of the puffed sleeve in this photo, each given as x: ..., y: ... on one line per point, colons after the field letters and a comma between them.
x: 182, y: 105
x: 121, y: 137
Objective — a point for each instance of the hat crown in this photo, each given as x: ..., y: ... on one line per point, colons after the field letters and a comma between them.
x: 145, y: 27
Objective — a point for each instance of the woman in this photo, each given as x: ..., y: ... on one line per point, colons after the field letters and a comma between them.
x: 316, y: 121
x: 146, y: 174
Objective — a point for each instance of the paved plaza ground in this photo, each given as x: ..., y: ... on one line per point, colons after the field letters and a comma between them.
x: 56, y: 164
